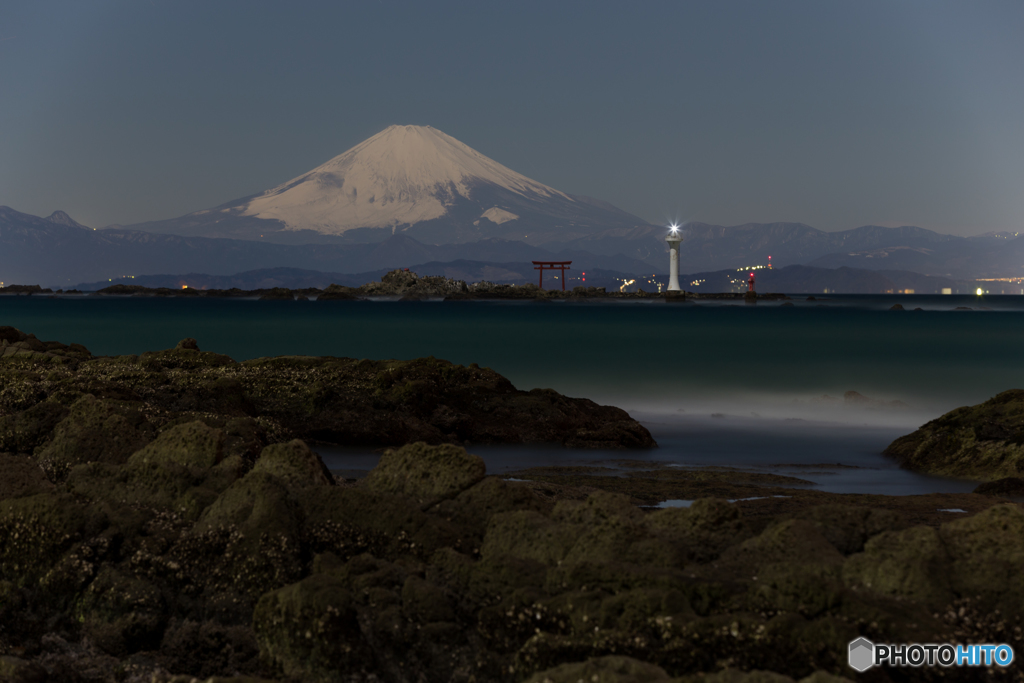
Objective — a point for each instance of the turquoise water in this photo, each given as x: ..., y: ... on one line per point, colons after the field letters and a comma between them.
x: 675, y: 366
x: 636, y: 354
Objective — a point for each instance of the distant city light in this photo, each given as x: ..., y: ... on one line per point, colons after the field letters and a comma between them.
x: 979, y: 292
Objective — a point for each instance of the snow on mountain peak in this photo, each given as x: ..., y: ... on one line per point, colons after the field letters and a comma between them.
x: 402, y: 175
x: 498, y: 215
x: 61, y: 218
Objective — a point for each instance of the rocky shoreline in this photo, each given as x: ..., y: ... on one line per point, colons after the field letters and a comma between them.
x: 428, y: 570
x: 54, y: 395
x: 401, y: 284
x: 983, y: 442
x: 163, y: 519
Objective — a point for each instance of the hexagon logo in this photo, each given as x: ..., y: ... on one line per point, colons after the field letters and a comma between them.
x: 862, y: 654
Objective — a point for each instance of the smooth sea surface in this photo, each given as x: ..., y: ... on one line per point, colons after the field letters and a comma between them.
x: 717, y: 383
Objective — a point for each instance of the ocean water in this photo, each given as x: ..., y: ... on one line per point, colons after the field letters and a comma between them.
x: 717, y: 383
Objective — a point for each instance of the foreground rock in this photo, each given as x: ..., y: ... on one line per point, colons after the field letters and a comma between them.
x: 982, y: 442
x: 14, y: 342
x: 189, y: 559
x: 68, y: 408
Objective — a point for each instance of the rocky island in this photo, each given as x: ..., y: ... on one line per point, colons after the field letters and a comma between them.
x: 164, y: 519
x: 403, y: 285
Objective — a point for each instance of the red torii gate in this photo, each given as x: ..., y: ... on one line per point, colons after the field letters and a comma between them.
x: 551, y: 265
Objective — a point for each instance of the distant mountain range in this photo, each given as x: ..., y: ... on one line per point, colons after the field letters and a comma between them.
x: 711, y: 247
x: 60, y: 253
x: 414, y: 195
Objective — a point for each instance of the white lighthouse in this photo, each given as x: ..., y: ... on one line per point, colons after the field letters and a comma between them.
x: 673, y: 238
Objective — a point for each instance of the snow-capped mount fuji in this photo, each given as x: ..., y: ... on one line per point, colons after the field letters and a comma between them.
x: 401, y: 176
x: 411, y: 179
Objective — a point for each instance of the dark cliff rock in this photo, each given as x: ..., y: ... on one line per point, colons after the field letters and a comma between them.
x: 277, y: 294
x: 981, y: 442
x: 1010, y: 487
x: 338, y: 293
x: 87, y: 409
x: 27, y: 290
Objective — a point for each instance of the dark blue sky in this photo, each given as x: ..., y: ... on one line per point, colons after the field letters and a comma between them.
x: 835, y: 114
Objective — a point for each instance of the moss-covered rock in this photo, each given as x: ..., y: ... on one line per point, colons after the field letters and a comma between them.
x: 16, y: 345
x: 95, y: 430
x: 528, y: 535
x: 170, y: 486
x: 184, y: 358
x: 737, y: 676
x: 1010, y: 487
x: 192, y: 445
x: 492, y: 583
x: 294, y: 464
x: 337, y: 400
x: 426, y: 472
x: 244, y: 543
x: 181, y: 472
x: 608, y: 669
x: 122, y: 613
x: 21, y: 476
x: 982, y: 442
x: 605, y: 527
x: 17, y: 670
x: 986, y: 555
x: 22, y: 432
x: 257, y: 504
x: 209, y: 648
x: 473, y: 508
x: 911, y: 564
x: 848, y: 527
x: 426, y: 602
x: 702, y: 530
x: 310, y: 630
x: 36, y: 532
x: 350, y: 521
